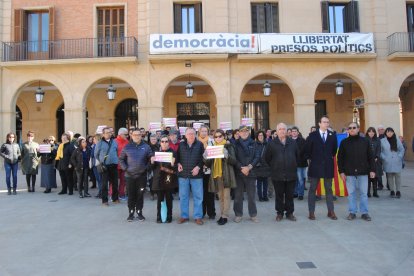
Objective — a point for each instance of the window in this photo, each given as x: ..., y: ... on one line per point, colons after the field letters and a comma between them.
x: 187, y: 19
x: 189, y: 113
x: 265, y: 18
x: 340, y: 17
x: 259, y: 111
x: 126, y: 114
x: 410, y: 25
x: 320, y: 110
x: 111, y: 31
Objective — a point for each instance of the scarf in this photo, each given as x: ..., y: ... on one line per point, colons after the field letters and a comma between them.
x: 217, y: 166
x: 204, y: 140
x: 59, y: 154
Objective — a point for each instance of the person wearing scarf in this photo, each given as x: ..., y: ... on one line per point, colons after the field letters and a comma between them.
x: 222, y: 178
x: 208, y: 198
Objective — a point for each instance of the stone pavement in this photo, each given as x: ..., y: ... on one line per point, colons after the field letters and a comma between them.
x: 48, y: 234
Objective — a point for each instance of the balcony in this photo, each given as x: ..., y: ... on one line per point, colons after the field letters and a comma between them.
x: 69, y: 49
x: 401, y: 46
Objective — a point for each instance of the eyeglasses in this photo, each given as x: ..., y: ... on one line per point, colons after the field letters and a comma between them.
x: 218, y: 136
x: 11, y: 137
x: 352, y: 128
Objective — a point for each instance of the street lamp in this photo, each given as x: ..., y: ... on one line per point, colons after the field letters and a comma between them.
x: 189, y: 89
x: 39, y: 94
x: 267, y: 88
x: 111, y: 91
x: 339, y: 89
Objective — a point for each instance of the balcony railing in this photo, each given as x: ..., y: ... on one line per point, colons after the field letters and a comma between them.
x: 400, y: 42
x: 70, y: 49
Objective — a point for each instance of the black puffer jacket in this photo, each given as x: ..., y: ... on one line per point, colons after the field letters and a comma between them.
x: 68, y: 149
x: 375, y: 146
x: 282, y: 159
x: 189, y: 158
x: 77, y: 158
x: 134, y: 159
x: 262, y: 169
x: 302, y: 162
x: 355, y: 157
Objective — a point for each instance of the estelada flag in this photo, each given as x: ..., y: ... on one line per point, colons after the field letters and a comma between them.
x: 338, y: 185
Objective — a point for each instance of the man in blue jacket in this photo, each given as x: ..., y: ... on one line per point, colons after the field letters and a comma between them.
x: 190, y: 174
x: 135, y: 160
x: 247, y: 155
x: 320, y: 148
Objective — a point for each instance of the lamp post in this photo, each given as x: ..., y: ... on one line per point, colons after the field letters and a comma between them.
x: 267, y: 88
x: 339, y: 89
x: 111, y: 92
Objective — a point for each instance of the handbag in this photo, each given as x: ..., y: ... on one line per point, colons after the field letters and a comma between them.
x: 163, y: 211
x: 101, y: 166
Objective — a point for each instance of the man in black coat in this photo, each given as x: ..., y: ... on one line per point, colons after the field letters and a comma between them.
x: 302, y: 163
x: 355, y: 162
x: 247, y: 155
x: 320, y: 148
x: 282, y: 156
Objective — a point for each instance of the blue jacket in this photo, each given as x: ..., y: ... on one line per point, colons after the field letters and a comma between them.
x: 101, y: 149
x: 246, y: 156
x: 189, y: 158
x: 134, y: 159
x: 320, y: 154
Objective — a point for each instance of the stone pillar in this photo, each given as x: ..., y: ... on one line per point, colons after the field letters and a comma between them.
x: 388, y: 114
x: 235, y: 115
x: 147, y: 114
x: 304, y: 116
x: 75, y: 120
x: 224, y: 114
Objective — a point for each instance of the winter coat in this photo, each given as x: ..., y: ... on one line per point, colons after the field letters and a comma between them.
x: 189, y: 158
x: 77, y: 158
x: 30, y: 158
x: 321, y: 154
x: 282, y: 159
x: 391, y: 160
x: 302, y: 162
x: 375, y: 146
x: 246, y: 156
x: 101, y: 150
x: 121, y: 142
x: 134, y: 159
x: 262, y: 168
x: 355, y: 156
x: 64, y: 162
x: 229, y: 178
x: 10, y: 152
x: 165, y: 175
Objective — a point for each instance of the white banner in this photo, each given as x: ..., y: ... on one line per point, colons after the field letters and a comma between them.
x: 329, y: 43
x: 205, y: 43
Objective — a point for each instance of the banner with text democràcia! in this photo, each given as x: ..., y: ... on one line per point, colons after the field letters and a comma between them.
x: 329, y: 43
x: 205, y: 43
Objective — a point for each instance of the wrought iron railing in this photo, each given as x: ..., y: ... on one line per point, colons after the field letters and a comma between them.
x: 70, y: 49
x: 400, y: 42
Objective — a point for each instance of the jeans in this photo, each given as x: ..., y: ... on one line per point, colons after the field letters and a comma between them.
x: 300, y: 184
x: 354, y: 183
x: 98, y: 178
x: 11, y: 169
x: 262, y: 187
x: 184, y: 191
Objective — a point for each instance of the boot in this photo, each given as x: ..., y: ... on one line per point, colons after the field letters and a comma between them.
x: 14, y: 191
x: 159, y: 218
x: 33, y: 188
x: 9, y: 191
x: 375, y: 188
x: 331, y: 215
x: 312, y: 216
x: 29, y: 189
x: 131, y: 215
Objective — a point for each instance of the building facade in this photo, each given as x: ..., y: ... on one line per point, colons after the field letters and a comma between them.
x: 72, y: 51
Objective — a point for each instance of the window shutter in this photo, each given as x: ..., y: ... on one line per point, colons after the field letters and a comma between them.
x: 19, y: 15
x: 325, y: 16
x: 261, y: 18
x: 275, y: 19
x: 354, y: 16
x: 254, y: 18
x: 51, y: 23
x: 198, y: 18
x: 177, y: 19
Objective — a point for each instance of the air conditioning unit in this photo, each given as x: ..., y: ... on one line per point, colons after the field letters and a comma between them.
x: 359, y: 102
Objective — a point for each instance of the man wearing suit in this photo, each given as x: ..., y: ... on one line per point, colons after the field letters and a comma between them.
x: 320, y: 148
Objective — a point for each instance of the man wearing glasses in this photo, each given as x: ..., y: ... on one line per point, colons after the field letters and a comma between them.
x: 355, y: 162
x: 320, y: 149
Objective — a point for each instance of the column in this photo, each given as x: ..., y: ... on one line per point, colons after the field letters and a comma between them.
x: 384, y: 113
x: 147, y: 114
x: 224, y: 114
x: 304, y: 116
x: 75, y: 120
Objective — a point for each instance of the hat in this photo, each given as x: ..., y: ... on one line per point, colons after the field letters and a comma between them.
x: 244, y: 128
x: 173, y: 131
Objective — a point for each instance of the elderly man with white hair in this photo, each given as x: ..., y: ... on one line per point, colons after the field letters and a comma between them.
x: 282, y: 155
x: 122, y: 141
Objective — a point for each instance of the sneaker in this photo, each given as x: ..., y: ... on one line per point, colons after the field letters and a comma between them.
x: 80, y: 195
x: 237, y: 219
x: 266, y: 199
x: 392, y: 194
x: 291, y: 217
x: 279, y: 217
x: 140, y: 217
x: 300, y: 197
x: 351, y: 216
x: 87, y: 195
x: 116, y: 201
x: 254, y: 219
x: 105, y: 204
x: 222, y: 221
x: 123, y: 198
x: 366, y: 217
x: 130, y: 217
x: 375, y: 195
x: 398, y: 194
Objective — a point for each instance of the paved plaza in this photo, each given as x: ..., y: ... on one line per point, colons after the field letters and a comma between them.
x: 50, y: 234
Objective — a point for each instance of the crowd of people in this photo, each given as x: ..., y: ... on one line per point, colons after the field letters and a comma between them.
x: 125, y: 166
